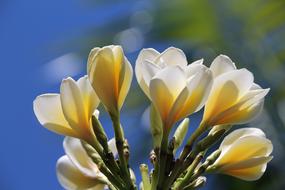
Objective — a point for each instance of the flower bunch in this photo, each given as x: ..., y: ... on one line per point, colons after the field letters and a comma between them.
x: 176, y: 90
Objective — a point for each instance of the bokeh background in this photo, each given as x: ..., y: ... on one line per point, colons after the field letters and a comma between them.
x: 42, y: 42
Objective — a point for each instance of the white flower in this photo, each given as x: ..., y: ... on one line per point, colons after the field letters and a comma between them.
x: 111, y: 75
x: 150, y: 61
x: 175, y: 88
x: 244, y: 154
x: 69, y: 112
x: 234, y: 97
x: 76, y: 170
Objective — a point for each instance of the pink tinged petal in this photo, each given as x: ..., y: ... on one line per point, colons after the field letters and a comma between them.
x: 172, y: 56
x: 226, y: 91
x: 47, y: 108
x: 73, y: 105
x: 90, y: 99
x: 71, y: 178
x: 221, y: 65
x: 77, y: 154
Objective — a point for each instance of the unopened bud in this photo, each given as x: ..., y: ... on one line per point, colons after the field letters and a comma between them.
x: 180, y: 133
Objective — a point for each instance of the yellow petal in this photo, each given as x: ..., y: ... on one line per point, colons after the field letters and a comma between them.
x: 249, y: 163
x: 165, y: 87
x: 90, y: 99
x: 91, y: 57
x: 104, y: 77
x: 47, y: 108
x: 246, y: 109
x: 77, y: 154
x: 126, y: 78
x: 73, y: 105
x: 161, y: 97
x: 245, y: 148
x: 71, y: 178
x: 198, y: 87
x: 227, y: 89
x: 248, y: 174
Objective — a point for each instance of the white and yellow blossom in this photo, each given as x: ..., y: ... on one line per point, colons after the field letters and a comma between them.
x: 76, y: 170
x: 150, y: 61
x: 110, y: 74
x: 69, y: 112
x: 244, y: 154
x: 177, y: 92
x: 234, y: 97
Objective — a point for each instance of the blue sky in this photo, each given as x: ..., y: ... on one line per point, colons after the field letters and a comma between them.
x: 30, y: 32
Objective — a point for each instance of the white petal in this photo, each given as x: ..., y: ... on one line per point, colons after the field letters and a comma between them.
x: 71, y: 178
x: 174, y: 78
x: 248, y: 174
x: 199, y: 87
x: 248, y: 163
x: 239, y: 133
x: 112, y: 146
x: 226, y: 91
x: 222, y: 64
x: 148, y: 55
x: 198, y: 62
x: 90, y: 99
x: 47, y: 108
x: 149, y: 69
x: 77, y: 154
x: 72, y: 104
x: 247, y: 108
x: 172, y: 56
x: 244, y: 148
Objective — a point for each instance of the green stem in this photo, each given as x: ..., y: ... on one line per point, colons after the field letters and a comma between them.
x: 186, y: 179
x: 198, y: 132
x: 119, y: 136
x: 162, y: 160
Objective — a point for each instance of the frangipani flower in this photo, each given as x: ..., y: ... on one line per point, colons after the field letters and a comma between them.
x: 177, y: 92
x: 69, y: 112
x: 110, y: 74
x: 150, y: 61
x: 234, y: 98
x: 244, y: 154
x: 76, y: 170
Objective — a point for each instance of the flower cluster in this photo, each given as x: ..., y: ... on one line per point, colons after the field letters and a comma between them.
x: 176, y: 90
